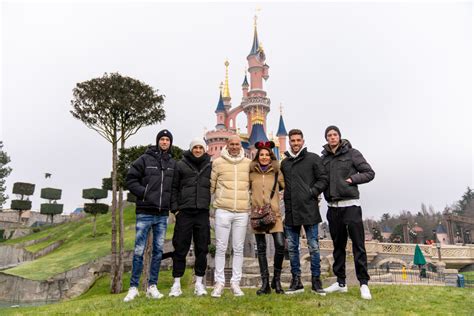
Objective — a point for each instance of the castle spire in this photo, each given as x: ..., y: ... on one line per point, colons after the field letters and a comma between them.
x: 281, y: 125
x: 226, y: 91
x: 255, y: 44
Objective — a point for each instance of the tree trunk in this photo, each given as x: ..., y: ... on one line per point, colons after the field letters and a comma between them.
x: 52, y: 220
x: 113, y: 263
x: 121, y: 228
x: 94, y: 225
x: 147, y: 260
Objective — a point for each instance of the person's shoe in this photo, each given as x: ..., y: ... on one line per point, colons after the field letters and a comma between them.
x: 295, y: 286
x: 316, y: 286
x: 132, y: 293
x: 218, y: 289
x: 175, y: 290
x: 234, y: 286
x: 365, y: 292
x: 265, y: 289
x: 152, y: 292
x: 276, y: 284
x: 335, y: 287
x: 199, y: 289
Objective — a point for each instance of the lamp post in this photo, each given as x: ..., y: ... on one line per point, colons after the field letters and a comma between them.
x: 438, y: 245
x: 468, y: 236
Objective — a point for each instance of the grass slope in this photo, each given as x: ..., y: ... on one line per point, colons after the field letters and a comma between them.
x: 388, y: 300
x: 79, y: 246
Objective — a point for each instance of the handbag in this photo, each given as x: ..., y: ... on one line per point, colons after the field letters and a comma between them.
x: 262, y: 217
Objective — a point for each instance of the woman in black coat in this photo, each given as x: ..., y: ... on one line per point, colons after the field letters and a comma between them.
x: 190, y: 200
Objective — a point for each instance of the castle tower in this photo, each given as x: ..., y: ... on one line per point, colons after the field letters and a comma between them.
x: 256, y: 103
x: 226, y: 91
x: 220, y: 113
x: 281, y: 133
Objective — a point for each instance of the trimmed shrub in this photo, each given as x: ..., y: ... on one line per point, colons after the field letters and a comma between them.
x: 96, y: 208
x: 23, y: 188
x: 21, y: 205
x: 94, y: 194
x: 51, y: 208
x: 51, y: 194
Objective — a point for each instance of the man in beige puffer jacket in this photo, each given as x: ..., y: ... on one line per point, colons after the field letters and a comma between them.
x: 230, y: 186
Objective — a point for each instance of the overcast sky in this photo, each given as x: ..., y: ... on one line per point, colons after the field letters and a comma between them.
x: 396, y: 79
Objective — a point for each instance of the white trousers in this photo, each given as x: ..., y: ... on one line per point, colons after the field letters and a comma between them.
x: 225, y: 221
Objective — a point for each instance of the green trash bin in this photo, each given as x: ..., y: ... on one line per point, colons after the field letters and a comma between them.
x: 461, y: 280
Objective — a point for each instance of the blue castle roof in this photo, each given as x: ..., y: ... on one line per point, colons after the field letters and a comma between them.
x: 281, y: 128
x: 440, y: 229
x: 257, y: 135
x: 220, y: 104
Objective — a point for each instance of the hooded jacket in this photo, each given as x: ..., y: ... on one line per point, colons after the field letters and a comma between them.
x: 305, y: 179
x: 261, y: 184
x: 230, y: 182
x: 150, y: 179
x: 346, y: 162
x: 191, y: 183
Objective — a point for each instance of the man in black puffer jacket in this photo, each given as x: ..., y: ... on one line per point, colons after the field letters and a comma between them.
x: 150, y: 179
x: 347, y: 168
x: 305, y: 180
x: 191, y: 197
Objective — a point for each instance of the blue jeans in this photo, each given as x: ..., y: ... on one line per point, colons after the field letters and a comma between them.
x: 144, y: 223
x: 293, y: 237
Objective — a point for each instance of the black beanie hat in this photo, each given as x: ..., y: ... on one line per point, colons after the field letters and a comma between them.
x: 163, y: 133
x: 330, y: 128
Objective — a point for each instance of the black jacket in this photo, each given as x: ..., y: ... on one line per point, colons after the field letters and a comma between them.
x: 305, y: 179
x: 192, y: 183
x: 150, y: 178
x: 346, y: 163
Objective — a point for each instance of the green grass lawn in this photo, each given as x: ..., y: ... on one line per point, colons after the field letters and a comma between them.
x: 387, y: 300
x: 79, y: 246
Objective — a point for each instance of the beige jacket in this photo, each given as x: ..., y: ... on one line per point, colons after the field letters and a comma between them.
x: 261, y: 188
x: 230, y: 182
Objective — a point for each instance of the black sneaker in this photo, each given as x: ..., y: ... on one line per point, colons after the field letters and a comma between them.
x: 316, y: 286
x: 296, y: 286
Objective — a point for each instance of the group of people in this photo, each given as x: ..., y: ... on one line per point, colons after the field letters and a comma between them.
x: 233, y: 184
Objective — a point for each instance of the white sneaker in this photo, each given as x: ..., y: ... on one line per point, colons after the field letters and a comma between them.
x: 218, y: 289
x: 334, y: 288
x: 132, y: 293
x: 175, y: 290
x: 199, y: 289
x: 234, y: 286
x: 152, y: 292
x: 365, y: 292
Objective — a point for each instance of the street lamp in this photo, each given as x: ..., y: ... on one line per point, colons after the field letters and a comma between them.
x: 438, y: 245
x: 468, y: 236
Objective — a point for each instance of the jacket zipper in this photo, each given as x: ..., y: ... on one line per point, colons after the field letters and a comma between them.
x: 235, y: 187
x: 144, y: 194
x: 161, y: 189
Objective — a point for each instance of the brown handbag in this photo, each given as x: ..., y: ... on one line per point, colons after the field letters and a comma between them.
x: 262, y: 217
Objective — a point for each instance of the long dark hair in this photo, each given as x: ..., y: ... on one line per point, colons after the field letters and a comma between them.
x: 272, y: 154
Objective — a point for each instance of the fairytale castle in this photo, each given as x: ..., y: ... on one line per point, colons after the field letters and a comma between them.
x: 255, y: 104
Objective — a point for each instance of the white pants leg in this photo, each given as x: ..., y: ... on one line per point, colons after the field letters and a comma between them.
x: 239, y: 230
x: 222, y: 230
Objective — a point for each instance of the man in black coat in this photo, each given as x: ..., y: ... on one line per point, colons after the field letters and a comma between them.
x: 347, y: 168
x: 305, y: 180
x: 150, y: 179
x: 190, y: 200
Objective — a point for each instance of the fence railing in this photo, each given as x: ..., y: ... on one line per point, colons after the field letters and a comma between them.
x: 447, y: 251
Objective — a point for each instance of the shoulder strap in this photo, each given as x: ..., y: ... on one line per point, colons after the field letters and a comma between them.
x: 274, y: 186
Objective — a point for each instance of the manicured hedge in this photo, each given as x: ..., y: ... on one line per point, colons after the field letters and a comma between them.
x: 94, y: 194
x: 23, y: 188
x: 51, y: 208
x: 50, y: 194
x: 21, y: 205
x: 96, y: 208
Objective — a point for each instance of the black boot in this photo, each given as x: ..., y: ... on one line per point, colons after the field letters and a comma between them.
x: 316, y: 286
x: 276, y: 285
x: 296, y: 285
x: 263, y: 264
x: 265, y: 289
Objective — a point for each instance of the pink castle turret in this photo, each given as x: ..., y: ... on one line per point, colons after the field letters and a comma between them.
x: 255, y: 104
